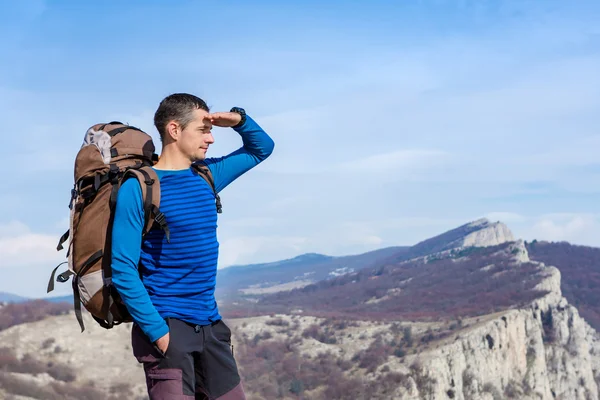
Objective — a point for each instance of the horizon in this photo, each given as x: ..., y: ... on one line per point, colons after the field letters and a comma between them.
x: 392, y: 123
x: 57, y: 296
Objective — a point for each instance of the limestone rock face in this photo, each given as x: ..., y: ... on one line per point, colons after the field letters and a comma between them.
x: 488, y: 234
x: 544, y: 351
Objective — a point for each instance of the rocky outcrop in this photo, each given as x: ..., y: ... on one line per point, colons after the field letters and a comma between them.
x: 479, y: 233
x: 545, y: 351
x: 487, y: 234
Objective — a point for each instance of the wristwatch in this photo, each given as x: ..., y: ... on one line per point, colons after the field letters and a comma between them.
x: 242, y: 113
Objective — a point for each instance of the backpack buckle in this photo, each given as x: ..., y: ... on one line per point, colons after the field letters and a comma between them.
x: 160, y: 219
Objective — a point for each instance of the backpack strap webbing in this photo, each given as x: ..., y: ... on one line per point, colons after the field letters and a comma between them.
x: 203, y: 170
x: 53, y: 274
x: 122, y: 129
x: 150, y: 186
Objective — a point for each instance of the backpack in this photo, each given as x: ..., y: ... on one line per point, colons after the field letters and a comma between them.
x: 110, y: 154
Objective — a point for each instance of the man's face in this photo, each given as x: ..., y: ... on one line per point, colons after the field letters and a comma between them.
x: 196, y: 137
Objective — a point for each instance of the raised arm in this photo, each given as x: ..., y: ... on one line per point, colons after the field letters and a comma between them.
x: 257, y: 146
x: 126, y: 248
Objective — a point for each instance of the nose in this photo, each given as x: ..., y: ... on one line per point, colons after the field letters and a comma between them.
x: 210, y: 139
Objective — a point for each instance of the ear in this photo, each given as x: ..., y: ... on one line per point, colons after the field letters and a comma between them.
x: 173, y: 130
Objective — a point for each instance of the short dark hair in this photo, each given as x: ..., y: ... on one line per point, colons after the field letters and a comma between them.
x: 177, y: 107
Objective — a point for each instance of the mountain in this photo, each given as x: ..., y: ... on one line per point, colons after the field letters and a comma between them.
x: 11, y: 298
x: 482, y: 320
x: 479, y: 233
x: 277, y: 277
x: 472, y: 313
x: 462, y: 282
x: 60, y: 299
x: 257, y: 279
x: 580, y: 274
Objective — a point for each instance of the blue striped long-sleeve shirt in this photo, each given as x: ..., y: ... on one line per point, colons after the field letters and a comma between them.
x: 177, y: 278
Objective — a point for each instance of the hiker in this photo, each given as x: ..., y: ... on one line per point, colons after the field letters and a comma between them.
x: 167, y: 279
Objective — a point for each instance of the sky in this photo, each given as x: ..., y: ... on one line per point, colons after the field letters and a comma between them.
x: 392, y: 121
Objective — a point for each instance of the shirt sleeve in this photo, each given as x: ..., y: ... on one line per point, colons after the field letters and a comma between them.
x: 257, y: 146
x: 126, y: 249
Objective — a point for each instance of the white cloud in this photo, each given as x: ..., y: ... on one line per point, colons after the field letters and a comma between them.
x: 22, y: 248
x: 574, y: 228
x: 13, y: 228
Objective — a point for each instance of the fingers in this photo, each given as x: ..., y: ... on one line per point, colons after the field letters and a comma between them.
x: 222, y: 119
x: 215, y: 119
x: 217, y: 115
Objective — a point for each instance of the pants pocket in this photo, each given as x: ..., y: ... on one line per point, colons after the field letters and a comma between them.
x: 221, y: 332
x: 165, y: 384
x: 143, y: 350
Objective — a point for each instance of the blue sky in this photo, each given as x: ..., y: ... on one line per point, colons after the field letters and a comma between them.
x: 392, y: 123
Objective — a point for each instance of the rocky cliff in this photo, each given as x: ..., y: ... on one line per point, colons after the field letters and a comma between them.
x: 486, y: 234
x: 478, y: 233
x: 544, y: 351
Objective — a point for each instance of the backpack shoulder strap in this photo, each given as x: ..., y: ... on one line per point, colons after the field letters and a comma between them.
x: 150, y: 185
x: 205, y: 173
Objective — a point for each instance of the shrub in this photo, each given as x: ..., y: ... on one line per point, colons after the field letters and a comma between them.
x: 548, y: 326
x: 30, y: 311
x: 47, y: 343
x: 277, y: 322
x: 511, y: 391
x: 316, y: 332
x: 62, y: 373
x: 490, y: 388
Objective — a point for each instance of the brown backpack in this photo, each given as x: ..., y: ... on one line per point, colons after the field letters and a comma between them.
x: 110, y: 154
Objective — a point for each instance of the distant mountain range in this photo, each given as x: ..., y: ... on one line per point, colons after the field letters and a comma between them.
x: 300, y: 280
x: 13, y: 298
x: 461, y: 283
x: 255, y: 280
x: 299, y: 271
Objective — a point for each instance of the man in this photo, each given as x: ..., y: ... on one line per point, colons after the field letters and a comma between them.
x: 178, y: 333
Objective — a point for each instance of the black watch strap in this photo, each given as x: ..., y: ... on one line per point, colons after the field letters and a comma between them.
x: 242, y: 113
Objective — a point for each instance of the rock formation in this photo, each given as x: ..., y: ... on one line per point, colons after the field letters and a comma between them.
x: 545, y: 351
